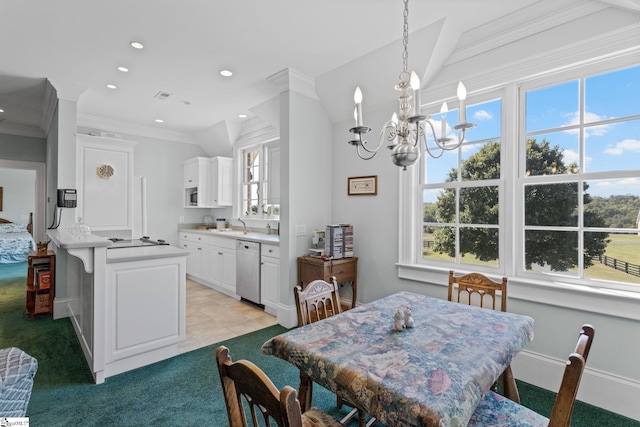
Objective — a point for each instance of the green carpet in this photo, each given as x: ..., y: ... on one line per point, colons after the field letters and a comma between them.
x: 183, y: 391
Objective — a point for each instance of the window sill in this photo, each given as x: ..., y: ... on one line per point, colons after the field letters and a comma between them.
x: 611, y: 302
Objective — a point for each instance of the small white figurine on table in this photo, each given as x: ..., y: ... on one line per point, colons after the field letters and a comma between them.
x: 398, y: 321
x: 408, y: 319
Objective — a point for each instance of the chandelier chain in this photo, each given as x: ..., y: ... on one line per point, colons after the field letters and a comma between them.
x: 405, y: 38
x: 407, y: 130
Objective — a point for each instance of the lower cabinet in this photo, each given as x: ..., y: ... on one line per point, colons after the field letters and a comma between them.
x: 223, y: 263
x: 270, y: 277
x: 211, y: 261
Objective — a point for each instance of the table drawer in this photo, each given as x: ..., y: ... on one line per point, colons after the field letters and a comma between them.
x: 343, y: 272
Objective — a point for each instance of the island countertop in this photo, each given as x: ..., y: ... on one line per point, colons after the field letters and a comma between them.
x: 143, y: 252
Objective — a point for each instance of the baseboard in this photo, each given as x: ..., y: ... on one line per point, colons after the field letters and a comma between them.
x: 611, y: 392
x: 61, y: 308
x: 287, y: 316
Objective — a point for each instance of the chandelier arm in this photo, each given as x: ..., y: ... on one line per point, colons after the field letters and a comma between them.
x: 392, y: 135
x: 365, y: 157
x: 364, y: 146
x: 426, y: 145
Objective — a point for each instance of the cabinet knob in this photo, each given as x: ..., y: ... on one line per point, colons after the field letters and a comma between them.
x: 199, y: 249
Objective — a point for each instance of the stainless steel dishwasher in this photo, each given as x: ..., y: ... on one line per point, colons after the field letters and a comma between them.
x: 248, y: 271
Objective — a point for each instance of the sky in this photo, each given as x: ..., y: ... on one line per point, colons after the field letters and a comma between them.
x: 553, y: 112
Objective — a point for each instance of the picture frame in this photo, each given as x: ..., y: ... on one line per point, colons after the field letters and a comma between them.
x: 362, y: 185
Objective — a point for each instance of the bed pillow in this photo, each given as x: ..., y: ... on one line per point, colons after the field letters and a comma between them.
x: 13, y: 228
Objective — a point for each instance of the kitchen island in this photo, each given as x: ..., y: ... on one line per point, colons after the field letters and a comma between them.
x: 127, y: 305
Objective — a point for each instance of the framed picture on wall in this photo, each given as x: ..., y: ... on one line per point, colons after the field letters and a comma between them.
x: 362, y: 185
x: 1, y: 198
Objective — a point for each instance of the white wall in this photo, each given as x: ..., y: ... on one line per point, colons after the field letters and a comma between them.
x: 18, y: 194
x: 612, y: 378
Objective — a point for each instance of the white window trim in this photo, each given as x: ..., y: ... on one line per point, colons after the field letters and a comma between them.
x: 582, y: 294
x: 262, y: 140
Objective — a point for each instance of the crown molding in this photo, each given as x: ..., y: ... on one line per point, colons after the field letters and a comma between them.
x: 289, y: 79
x: 10, y: 128
x: 519, y: 25
x: 119, y: 126
x: 620, y: 43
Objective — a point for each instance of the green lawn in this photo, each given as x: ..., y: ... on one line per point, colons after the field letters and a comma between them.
x: 622, y: 247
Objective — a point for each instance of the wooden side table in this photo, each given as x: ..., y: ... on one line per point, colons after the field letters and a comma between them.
x: 345, y: 270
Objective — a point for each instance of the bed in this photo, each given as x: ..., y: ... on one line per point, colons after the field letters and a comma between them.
x: 16, y: 241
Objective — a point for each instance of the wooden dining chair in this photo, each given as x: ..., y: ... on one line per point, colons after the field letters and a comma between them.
x: 317, y: 301
x: 496, y: 410
x: 477, y: 289
x: 243, y: 383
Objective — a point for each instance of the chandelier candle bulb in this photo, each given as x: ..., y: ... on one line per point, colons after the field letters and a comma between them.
x: 415, y: 85
x: 357, y: 97
x: 443, y: 120
x: 462, y: 95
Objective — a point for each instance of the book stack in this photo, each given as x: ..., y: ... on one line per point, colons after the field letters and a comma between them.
x: 338, y: 241
x: 347, y: 236
x: 42, y: 285
x: 333, y: 242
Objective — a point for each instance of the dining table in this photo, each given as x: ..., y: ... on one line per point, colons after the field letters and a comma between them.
x: 432, y: 374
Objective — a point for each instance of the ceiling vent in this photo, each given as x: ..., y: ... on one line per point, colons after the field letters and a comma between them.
x: 162, y: 95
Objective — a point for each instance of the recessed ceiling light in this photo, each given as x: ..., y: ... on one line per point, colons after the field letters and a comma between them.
x: 110, y: 86
x: 136, y: 45
x: 1, y: 110
x: 123, y: 69
x: 226, y: 73
x: 159, y: 121
x: 185, y: 103
x: 242, y: 116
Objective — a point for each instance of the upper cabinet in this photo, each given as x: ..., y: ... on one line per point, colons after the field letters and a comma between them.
x: 207, y: 182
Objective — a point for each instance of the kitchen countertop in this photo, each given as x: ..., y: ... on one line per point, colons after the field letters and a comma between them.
x: 272, y: 239
x: 143, y: 252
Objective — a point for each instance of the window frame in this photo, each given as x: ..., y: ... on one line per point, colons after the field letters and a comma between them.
x: 433, y: 110
x: 511, y: 217
x: 262, y: 182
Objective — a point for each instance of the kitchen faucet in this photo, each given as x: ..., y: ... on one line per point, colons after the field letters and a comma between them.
x: 244, y: 226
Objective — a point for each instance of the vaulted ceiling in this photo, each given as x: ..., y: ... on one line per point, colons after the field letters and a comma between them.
x: 75, y: 46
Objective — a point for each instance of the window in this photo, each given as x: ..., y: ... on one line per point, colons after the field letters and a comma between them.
x: 580, y: 152
x: 255, y: 173
x: 547, y: 189
x: 460, y: 194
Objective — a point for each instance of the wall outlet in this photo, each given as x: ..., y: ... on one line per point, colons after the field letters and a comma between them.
x: 181, y: 219
x: 301, y: 229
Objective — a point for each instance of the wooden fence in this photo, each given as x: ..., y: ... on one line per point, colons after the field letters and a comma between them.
x: 627, y: 267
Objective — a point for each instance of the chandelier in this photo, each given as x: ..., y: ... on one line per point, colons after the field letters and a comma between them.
x: 406, y: 129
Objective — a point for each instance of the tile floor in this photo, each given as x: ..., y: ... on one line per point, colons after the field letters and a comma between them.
x: 213, y: 316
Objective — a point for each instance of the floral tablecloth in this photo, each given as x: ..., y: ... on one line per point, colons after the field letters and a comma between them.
x: 433, y: 374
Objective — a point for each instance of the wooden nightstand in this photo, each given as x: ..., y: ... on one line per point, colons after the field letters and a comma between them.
x: 345, y: 270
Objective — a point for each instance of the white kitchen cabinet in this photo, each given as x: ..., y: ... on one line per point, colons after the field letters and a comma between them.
x: 221, y: 193
x: 270, y: 277
x: 197, y: 265
x: 211, y: 261
x: 210, y: 179
x: 223, y: 263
